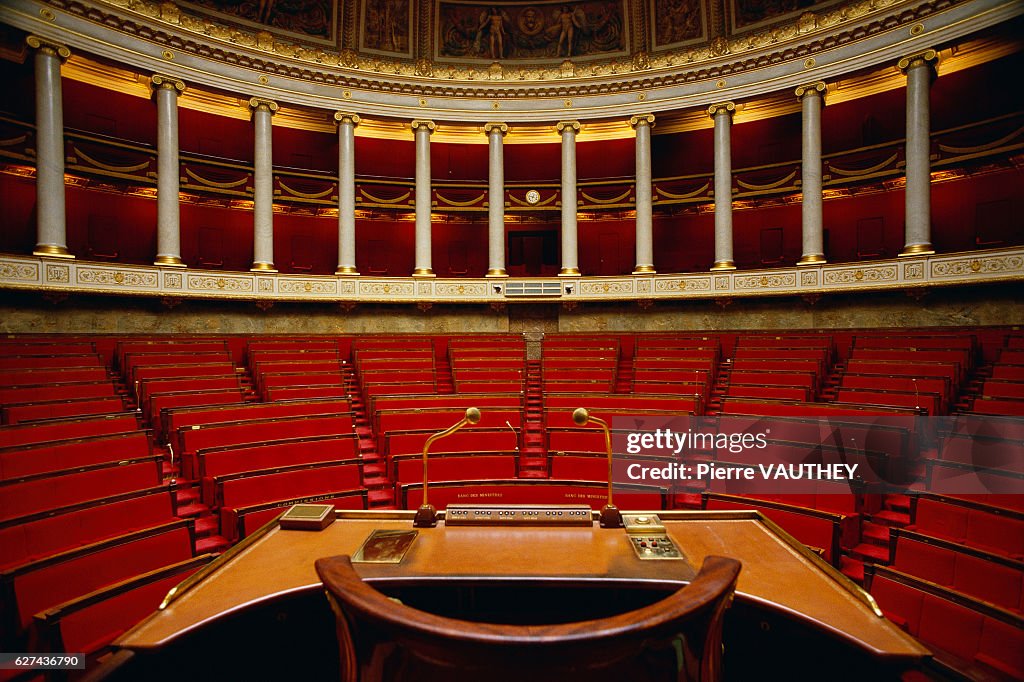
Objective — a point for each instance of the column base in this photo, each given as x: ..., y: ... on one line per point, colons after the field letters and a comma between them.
x: 423, y: 272
x: 169, y: 262
x: 569, y: 272
x: 812, y: 259
x: 496, y: 272
x: 917, y: 250
x: 262, y: 267
x: 723, y: 265
x: 52, y: 251
x: 347, y: 270
x: 644, y: 270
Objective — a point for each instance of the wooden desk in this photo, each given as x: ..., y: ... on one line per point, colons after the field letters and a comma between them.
x: 779, y: 575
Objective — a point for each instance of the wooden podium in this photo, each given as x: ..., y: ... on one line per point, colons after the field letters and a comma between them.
x: 792, y: 613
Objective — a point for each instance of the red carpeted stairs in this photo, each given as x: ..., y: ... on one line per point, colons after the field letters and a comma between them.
x: 380, y: 491
x: 533, y: 458
x: 874, y: 546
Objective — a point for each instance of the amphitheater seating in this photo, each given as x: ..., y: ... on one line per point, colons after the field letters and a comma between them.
x: 64, y: 429
x: 304, y: 481
x: 527, y: 491
x: 255, y: 431
x: 239, y: 459
x: 25, y: 461
x: 240, y: 522
x: 51, y: 531
x: 989, y: 528
x: 454, y: 466
x: 177, y: 420
x: 974, y: 639
x: 87, y: 624
x: 45, y: 583
x: 68, y: 487
x: 982, y: 575
x: 79, y: 471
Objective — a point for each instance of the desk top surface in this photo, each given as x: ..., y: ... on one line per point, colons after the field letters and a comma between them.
x: 777, y: 572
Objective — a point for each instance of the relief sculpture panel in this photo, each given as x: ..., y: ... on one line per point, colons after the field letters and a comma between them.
x: 531, y: 30
x: 305, y: 18
x: 387, y: 27
x: 678, y: 22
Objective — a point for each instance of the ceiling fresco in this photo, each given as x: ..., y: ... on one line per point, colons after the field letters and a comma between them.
x: 506, y: 32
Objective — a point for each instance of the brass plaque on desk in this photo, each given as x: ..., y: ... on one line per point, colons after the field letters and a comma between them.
x: 649, y: 539
x: 308, y: 517
x: 385, y: 547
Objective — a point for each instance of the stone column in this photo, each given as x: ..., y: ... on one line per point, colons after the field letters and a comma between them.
x: 722, y: 113
x: 51, y: 225
x: 168, y: 215
x: 263, y: 184
x: 811, y: 98
x: 570, y: 247
x: 644, y: 195
x: 495, y: 199
x: 918, y: 225
x: 346, y: 193
x: 422, y: 131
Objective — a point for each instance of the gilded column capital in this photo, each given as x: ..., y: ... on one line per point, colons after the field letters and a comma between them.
x: 49, y: 47
x: 159, y: 81
x: 346, y: 117
x: 929, y: 56
x: 641, y: 120
x: 501, y: 127
x: 727, y: 107
x: 562, y: 125
x: 260, y: 104
x: 423, y: 123
x: 817, y: 87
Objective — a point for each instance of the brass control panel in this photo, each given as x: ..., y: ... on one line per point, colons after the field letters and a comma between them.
x: 518, y: 515
x: 649, y: 539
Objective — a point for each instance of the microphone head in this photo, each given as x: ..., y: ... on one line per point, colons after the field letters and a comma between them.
x: 580, y: 416
x: 472, y: 415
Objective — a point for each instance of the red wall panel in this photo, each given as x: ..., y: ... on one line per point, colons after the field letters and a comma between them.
x: 17, y: 214
x: 533, y: 162
x: 19, y: 89
x: 212, y: 135
x: 607, y: 247
x: 216, y: 238
x: 305, y: 150
x: 305, y: 244
x: 92, y: 109
x: 386, y: 158
x: 385, y: 248
x: 112, y: 227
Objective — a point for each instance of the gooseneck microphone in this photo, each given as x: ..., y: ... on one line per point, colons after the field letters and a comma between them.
x: 610, y: 516
x: 426, y: 515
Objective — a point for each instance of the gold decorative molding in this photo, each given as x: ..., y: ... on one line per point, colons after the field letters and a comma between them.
x: 159, y: 81
x: 641, y: 120
x: 928, y: 56
x: 727, y: 107
x: 50, y: 47
x: 36, y: 273
x: 261, y: 104
x: 345, y: 117
x: 818, y: 87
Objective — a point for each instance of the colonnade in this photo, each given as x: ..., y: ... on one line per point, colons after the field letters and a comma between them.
x: 52, y: 231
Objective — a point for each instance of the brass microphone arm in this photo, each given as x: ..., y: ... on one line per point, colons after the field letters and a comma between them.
x: 610, y: 517
x: 426, y: 516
